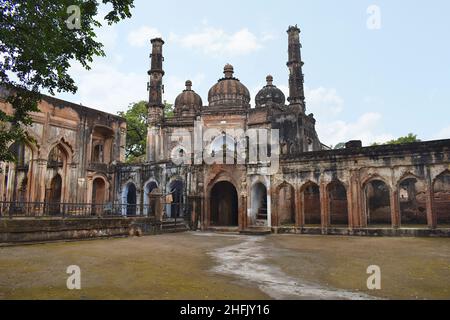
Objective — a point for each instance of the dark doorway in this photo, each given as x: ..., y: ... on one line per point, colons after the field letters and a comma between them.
x: 286, y: 205
x: 54, y: 195
x: 131, y: 200
x: 412, y: 198
x: 378, y: 207
x: 176, y: 208
x: 441, y: 200
x: 224, y: 205
x: 338, y: 206
x: 149, y: 201
x: 311, y: 205
x: 98, y: 195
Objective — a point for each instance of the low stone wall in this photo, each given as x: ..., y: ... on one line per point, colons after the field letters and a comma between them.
x: 36, y: 230
x: 370, y: 232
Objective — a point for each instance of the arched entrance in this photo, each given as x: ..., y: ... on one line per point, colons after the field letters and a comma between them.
x: 129, y: 198
x: 311, y: 204
x: 378, y: 207
x: 98, y: 191
x: 441, y: 199
x: 286, y: 205
x: 149, y: 203
x: 259, y: 205
x: 338, y: 206
x: 176, y: 207
x: 98, y: 195
x: 224, y: 205
x: 54, y: 194
x: 412, y: 199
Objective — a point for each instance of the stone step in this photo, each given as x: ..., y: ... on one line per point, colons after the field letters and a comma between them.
x: 172, y: 227
x: 257, y: 231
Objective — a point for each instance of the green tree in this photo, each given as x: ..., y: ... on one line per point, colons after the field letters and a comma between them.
x: 410, y: 138
x: 168, y: 110
x: 39, y: 40
x: 136, y: 117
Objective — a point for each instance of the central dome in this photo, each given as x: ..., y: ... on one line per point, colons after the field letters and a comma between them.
x: 229, y: 91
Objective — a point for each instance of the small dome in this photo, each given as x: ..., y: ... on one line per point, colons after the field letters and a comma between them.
x: 269, y: 95
x: 229, y: 91
x: 188, y: 103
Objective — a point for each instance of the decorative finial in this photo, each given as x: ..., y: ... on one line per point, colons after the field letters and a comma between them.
x: 188, y: 85
x: 269, y: 80
x: 228, y: 70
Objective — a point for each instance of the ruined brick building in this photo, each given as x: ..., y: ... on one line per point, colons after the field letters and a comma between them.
x: 355, y: 190
x: 352, y: 189
x: 69, y: 159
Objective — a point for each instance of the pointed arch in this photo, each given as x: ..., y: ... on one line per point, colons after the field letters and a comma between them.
x: 411, y: 199
x: 441, y: 198
x: 285, y: 204
x: 377, y: 194
x: 337, y: 203
x: 311, y: 206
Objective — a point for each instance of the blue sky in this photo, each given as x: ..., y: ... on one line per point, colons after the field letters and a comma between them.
x: 360, y: 83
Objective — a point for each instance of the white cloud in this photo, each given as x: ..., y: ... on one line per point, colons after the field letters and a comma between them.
x: 106, y: 88
x: 364, y: 129
x: 141, y: 36
x: 327, y: 106
x: 444, y: 133
x: 174, y: 85
x: 216, y: 41
x: 324, y: 102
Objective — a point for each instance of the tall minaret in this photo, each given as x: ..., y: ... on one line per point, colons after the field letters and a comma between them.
x: 295, y: 64
x: 155, y: 103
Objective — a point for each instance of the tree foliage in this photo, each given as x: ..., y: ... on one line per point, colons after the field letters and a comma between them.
x: 136, y: 117
x: 410, y: 138
x: 37, y: 48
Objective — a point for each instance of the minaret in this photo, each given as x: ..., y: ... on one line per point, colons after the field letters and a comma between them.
x: 155, y: 86
x: 295, y: 64
x: 155, y: 103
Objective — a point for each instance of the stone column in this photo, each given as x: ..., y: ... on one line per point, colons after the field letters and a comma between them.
x: 395, y: 210
x: 324, y: 210
x: 431, y: 215
x: 298, y: 209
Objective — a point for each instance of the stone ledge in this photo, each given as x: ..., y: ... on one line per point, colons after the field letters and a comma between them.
x: 366, y: 232
x: 36, y: 230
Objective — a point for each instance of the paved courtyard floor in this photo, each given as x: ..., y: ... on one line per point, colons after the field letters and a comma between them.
x: 198, y: 265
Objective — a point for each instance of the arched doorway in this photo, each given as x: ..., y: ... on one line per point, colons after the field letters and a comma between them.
x: 338, y: 206
x: 176, y: 207
x: 378, y: 207
x: 311, y: 204
x: 54, y: 195
x: 129, y: 199
x: 149, y: 203
x: 259, y: 205
x: 412, y: 199
x: 286, y: 205
x: 98, y: 195
x: 57, y: 172
x: 441, y: 200
x: 224, y: 205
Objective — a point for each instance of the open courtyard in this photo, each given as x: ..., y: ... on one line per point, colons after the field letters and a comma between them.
x: 197, y: 265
